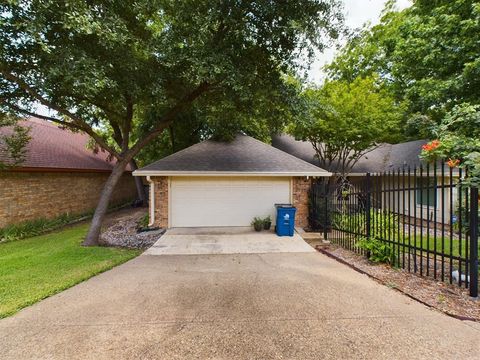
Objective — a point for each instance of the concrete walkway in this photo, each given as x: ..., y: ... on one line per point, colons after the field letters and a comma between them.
x: 252, y: 306
x: 235, y: 240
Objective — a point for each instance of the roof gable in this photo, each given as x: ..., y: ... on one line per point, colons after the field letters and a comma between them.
x: 243, y: 155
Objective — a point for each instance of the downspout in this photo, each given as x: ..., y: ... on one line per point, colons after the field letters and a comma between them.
x: 151, y: 202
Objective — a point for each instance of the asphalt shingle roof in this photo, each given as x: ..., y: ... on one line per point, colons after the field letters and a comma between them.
x: 55, y: 148
x: 243, y: 155
x: 386, y: 157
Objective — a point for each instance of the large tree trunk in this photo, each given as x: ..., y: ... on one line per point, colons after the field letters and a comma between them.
x: 142, y: 195
x: 101, y: 210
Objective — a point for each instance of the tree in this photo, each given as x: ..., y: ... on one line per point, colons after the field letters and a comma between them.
x: 13, y: 141
x: 345, y: 120
x: 436, y: 56
x: 427, y: 54
x: 368, y: 51
x: 111, y: 67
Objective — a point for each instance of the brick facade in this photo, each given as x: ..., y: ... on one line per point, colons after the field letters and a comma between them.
x: 32, y: 195
x: 301, y: 188
x: 161, y: 201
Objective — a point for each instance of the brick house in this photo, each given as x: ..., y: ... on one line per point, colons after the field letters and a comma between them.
x: 60, y: 176
x: 227, y: 184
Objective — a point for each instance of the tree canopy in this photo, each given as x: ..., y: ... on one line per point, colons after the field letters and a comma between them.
x: 123, y: 71
x: 428, y: 53
x: 345, y: 120
x: 428, y: 56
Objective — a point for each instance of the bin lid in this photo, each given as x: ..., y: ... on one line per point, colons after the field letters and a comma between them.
x: 284, y: 206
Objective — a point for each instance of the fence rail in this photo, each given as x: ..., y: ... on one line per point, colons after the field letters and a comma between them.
x: 425, y: 218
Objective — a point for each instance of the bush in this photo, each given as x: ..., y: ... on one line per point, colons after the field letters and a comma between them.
x: 143, y: 222
x: 353, y: 223
x: 378, y: 251
x: 34, y: 227
x: 41, y: 226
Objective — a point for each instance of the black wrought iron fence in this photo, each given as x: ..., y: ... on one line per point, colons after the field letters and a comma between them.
x: 424, y: 218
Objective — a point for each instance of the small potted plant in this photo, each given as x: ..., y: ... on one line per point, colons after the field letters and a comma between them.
x: 267, y: 223
x: 257, y: 224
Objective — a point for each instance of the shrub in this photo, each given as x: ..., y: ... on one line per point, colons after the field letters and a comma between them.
x: 143, y: 222
x: 41, y: 226
x: 378, y: 251
x: 34, y: 227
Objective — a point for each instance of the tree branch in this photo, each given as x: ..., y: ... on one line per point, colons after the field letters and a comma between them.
x: 169, y: 116
x: 127, y: 126
x: 79, y: 123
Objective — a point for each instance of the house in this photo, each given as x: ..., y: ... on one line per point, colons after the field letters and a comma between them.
x: 385, y: 157
x: 59, y: 176
x: 214, y: 184
x: 427, y: 194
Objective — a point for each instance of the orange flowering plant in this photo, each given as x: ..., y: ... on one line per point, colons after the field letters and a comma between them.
x: 432, y: 150
x: 458, y: 140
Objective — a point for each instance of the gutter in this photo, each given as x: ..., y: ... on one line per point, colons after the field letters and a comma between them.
x: 151, y: 217
x: 149, y: 173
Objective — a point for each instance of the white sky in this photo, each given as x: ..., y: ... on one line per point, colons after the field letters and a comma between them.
x: 357, y: 13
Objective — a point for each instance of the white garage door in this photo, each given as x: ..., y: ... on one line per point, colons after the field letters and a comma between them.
x: 225, y: 201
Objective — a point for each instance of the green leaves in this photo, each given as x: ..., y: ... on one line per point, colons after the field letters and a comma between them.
x: 13, y: 142
x: 428, y: 55
x: 110, y: 65
x: 343, y: 120
x: 458, y: 141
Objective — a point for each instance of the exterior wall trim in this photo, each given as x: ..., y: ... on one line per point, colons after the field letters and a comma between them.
x: 228, y: 173
x: 61, y: 170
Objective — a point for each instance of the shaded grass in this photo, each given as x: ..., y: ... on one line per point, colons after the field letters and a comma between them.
x: 37, y: 267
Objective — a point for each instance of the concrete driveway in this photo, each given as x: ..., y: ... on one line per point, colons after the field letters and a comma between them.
x: 242, y: 306
x: 235, y: 240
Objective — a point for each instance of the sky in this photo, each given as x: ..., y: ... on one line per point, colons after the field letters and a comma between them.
x: 357, y: 13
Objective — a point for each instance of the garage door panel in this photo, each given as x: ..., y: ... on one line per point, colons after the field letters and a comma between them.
x: 225, y: 201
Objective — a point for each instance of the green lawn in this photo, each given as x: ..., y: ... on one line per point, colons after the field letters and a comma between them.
x: 425, y: 243
x: 35, y: 268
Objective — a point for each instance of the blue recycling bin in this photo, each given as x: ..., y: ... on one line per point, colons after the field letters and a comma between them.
x: 285, y: 219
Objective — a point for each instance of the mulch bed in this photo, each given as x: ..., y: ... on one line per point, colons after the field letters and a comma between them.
x: 448, y: 298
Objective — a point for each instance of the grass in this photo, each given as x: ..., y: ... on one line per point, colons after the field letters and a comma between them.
x: 425, y: 243
x: 35, y: 268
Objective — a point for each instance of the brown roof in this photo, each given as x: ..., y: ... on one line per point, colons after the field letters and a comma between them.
x: 51, y: 147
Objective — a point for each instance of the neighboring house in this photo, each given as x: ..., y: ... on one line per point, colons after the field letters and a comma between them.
x: 59, y: 176
x: 424, y: 197
x: 227, y: 184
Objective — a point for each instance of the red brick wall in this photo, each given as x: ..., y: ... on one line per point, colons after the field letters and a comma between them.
x: 301, y: 188
x: 32, y: 195
x: 161, y: 201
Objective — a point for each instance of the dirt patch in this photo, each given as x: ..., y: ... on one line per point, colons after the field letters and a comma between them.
x: 121, y: 229
x: 448, y: 298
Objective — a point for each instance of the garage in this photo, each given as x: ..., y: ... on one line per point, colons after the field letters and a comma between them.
x: 225, y: 201
x: 220, y: 184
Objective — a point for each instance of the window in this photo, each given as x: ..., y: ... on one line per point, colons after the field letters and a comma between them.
x: 426, y: 192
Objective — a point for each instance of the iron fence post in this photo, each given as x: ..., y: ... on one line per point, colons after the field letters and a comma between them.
x: 473, y: 242
x: 368, y: 205
x: 325, y: 216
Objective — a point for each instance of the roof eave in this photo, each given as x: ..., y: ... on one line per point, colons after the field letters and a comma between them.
x: 230, y: 173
